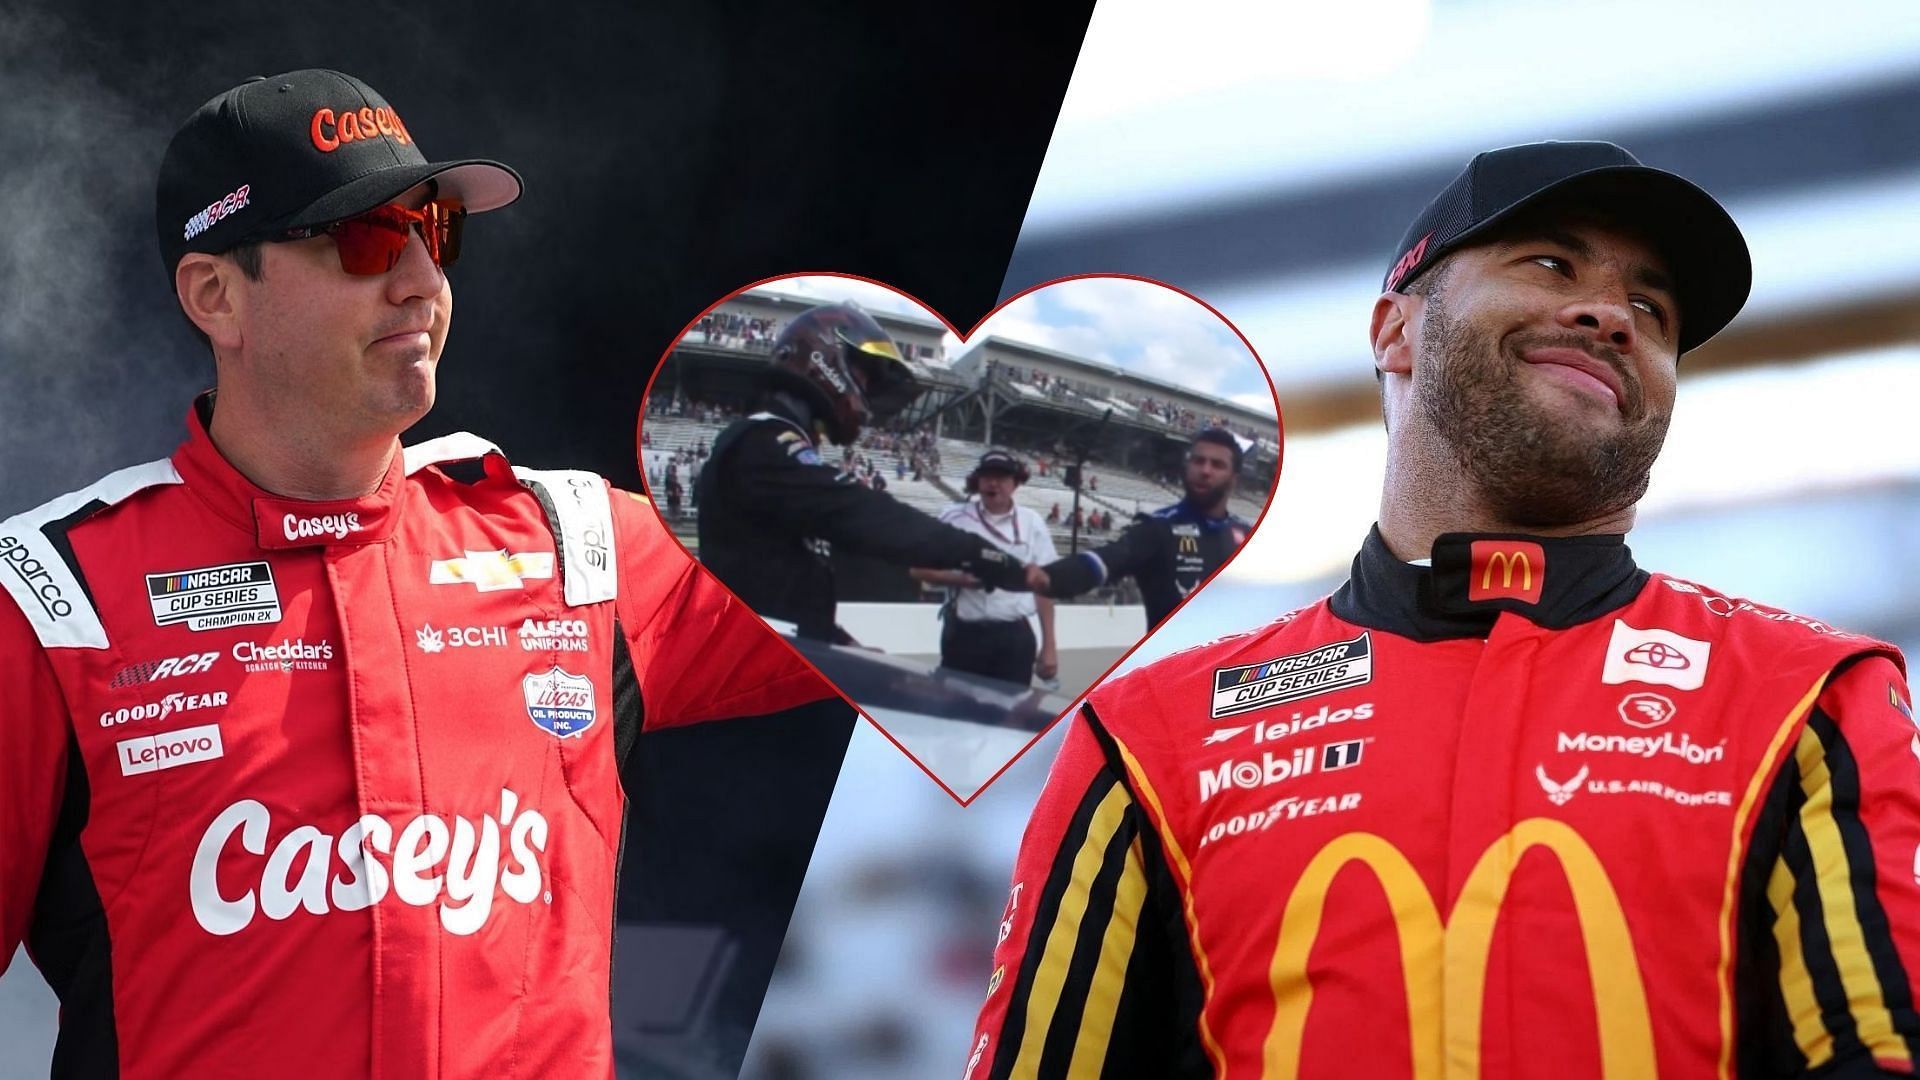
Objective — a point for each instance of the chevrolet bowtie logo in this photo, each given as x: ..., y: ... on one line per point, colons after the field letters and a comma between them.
x: 491, y: 571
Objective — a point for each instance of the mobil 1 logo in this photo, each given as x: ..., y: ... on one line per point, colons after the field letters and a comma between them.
x: 1320, y: 670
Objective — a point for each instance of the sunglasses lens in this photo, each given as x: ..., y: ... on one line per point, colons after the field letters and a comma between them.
x: 373, y: 242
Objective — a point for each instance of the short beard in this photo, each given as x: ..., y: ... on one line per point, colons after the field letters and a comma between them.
x: 1527, y: 470
x: 1208, y: 498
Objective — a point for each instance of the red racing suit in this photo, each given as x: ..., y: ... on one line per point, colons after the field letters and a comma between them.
x: 1528, y: 812
x: 332, y: 788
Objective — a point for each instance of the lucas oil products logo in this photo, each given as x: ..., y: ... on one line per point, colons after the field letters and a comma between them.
x: 426, y: 861
x: 213, y: 597
x: 1320, y: 670
x: 559, y: 703
x: 1274, y: 768
x: 1275, y: 730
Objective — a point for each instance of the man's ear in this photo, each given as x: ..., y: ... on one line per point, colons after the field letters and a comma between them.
x: 1394, y: 332
x: 208, y: 288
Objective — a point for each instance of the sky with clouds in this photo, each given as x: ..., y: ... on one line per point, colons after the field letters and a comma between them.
x: 1138, y: 326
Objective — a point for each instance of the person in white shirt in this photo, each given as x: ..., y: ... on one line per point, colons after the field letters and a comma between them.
x: 990, y: 632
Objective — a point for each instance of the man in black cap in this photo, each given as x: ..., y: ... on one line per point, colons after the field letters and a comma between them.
x: 1505, y: 803
x: 772, y: 511
x: 1171, y: 550
x: 323, y: 732
x: 988, y: 633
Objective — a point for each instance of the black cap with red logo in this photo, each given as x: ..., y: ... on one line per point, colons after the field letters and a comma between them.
x: 1705, y: 252
x: 302, y: 148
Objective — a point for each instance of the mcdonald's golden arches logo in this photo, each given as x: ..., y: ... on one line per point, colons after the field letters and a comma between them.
x: 1507, y: 570
x: 1444, y: 964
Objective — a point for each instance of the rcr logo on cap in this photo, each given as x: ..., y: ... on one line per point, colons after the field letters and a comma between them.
x: 330, y: 131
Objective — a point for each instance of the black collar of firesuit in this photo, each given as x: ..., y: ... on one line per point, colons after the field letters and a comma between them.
x: 1475, y: 576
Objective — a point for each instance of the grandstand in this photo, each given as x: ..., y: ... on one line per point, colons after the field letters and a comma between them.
x: 1128, y: 432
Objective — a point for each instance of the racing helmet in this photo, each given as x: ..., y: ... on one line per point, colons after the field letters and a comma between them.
x: 846, y: 366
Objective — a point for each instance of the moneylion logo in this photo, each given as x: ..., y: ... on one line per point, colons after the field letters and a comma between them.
x: 1446, y: 962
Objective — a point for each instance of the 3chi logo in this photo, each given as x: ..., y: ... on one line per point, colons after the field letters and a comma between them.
x: 1647, y: 710
x: 1557, y: 793
x: 430, y: 639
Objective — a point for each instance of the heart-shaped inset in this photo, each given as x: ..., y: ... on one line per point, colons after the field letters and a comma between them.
x: 962, y: 531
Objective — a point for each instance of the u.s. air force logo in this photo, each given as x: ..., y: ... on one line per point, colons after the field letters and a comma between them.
x: 1320, y: 670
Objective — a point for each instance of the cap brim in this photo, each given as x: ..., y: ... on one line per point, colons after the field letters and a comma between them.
x: 479, y: 184
x: 1705, y: 252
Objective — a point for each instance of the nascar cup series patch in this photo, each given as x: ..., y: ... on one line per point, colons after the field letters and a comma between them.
x: 1320, y: 670
x: 559, y: 703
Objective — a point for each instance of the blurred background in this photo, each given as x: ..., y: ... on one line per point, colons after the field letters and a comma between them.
x: 1270, y: 164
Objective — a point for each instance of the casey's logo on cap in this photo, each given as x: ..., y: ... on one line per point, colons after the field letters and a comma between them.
x: 1507, y: 570
x: 330, y: 131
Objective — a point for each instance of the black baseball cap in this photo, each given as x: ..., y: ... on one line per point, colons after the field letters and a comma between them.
x: 301, y: 148
x: 1708, y: 257
x: 1222, y: 437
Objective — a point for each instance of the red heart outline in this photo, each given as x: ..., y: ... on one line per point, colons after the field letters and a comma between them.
x: 1279, y: 420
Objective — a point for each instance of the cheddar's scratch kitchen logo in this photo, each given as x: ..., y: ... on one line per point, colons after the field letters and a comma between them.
x: 331, y: 130
x: 1320, y: 670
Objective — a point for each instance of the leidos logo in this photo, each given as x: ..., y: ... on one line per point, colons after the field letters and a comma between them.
x: 329, y: 131
x: 1275, y: 730
x: 426, y: 859
x: 1448, y: 960
x: 1507, y: 570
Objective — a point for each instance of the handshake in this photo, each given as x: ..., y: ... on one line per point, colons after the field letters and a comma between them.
x: 995, y: 569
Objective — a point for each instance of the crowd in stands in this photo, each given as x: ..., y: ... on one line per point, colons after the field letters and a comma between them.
x: 735, y: 331
x: 675, y: 405
x: 1173, y: 414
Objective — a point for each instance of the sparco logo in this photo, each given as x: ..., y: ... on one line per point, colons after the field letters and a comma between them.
x: 285, y: 656
x: 338, y: 526
x: 36, y: 578
x: 457, y: 866
x: 592, y: 537
x: 165, y: 707
x: 563, y: 635
x: 1643, y: 746
x: 1275, y: 768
